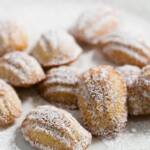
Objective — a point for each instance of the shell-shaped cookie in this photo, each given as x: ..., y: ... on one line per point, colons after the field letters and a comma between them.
x: 102, y: 101
x: 92, y: 25
x: 61, y: 86
x: 10, y: 104
x: 20, y: 69
x: 138, y: 95
x: 56, y: 48
x: 12, y: 37
x: 123, y: 49
x: 48, y: 127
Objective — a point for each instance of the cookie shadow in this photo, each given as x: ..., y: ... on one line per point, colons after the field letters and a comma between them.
x: 20, y: 142
x: 139, y: 125
x: 86, y: 47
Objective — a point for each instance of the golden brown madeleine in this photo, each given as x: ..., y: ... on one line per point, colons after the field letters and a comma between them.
x: 130, y: 73
x: 134, y: 99
x: 12, y: 37
x: 61, y: 86
x: 138, y: 95
x: 20, y: 69
x: 56, y: 48
x: 102, y: 101
x: 48, y: 127
x: 123, y: 49
x: 10, y: 104
x: 94, y: 24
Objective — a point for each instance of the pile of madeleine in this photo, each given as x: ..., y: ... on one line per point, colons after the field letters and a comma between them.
x: 104, y: 95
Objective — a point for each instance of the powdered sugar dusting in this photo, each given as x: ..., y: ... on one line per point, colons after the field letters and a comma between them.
x: 10, y: 105
x: 92, y: 24
x: 136, y: 58
x: 58, y: 124
x: 100, y: 93
x: 145, y: 75
x: 11, y: 37
x: 49, y: 16
x: 130, y: 73
x: 61, y: 86
x: 131, y: 50
x: 66, y: 75
x: 24, y: 68
x: 93, y: 79
x: 56, y: 48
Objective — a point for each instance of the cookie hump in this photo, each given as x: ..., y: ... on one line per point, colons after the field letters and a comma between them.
x: 56, y: 48
x: 122, y: 49
x: 61, y: 86
x: 48, y: 127
x: 92, y: 25
x: 10, y: 104
x: 138, y: 95
x: 12, y: 37
x: 20, y: 69
x: 102, y: 101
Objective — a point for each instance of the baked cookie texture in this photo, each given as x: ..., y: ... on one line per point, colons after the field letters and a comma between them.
x: 121, y: 49
x: 102, y: 101
x: 130, y: 73
x: 10, y: 104
x: 139, y: 98
x: 56, y: 48
x: 138, y: 86
x: 61, y: 86
x: 92, y: 25
x: 131, y: 76
x: 20, y: 69
x: 48, y: 127
x: 12, y: 37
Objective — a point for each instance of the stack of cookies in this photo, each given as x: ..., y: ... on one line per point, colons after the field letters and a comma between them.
x: 104, y: 95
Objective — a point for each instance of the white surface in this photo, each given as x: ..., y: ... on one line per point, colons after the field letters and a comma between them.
x: 39, y: 16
